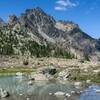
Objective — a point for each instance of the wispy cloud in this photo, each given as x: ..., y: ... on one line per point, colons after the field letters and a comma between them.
x: 64, y: 4
x: 60, y: 8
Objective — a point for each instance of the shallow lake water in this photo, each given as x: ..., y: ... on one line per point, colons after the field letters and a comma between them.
x: 90, y: 93
x: 19, y: 89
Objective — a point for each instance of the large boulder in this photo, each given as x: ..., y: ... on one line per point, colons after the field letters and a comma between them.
x: 64, y: 75
x: 51, y: 70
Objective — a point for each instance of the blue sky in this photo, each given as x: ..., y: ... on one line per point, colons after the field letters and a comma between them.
x: 86, y: 13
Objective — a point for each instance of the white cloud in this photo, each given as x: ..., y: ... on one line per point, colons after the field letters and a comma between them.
x: 60, y: 8
x: 64, y: 4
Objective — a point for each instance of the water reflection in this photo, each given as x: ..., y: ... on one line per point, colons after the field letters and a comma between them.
x: 20, y: 89
x: 90, y: 93
x: 21, y: 85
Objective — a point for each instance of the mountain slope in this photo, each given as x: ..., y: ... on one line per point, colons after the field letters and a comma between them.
x: 80, y: 42
x: 36, y: 28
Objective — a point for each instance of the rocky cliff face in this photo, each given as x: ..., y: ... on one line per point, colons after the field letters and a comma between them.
x: 36, y: 25
x: 41, y: 24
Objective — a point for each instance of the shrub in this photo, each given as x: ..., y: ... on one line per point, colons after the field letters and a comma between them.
x: 25, y: 62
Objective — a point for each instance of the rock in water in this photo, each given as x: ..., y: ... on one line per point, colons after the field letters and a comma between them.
x: 59, y: 93
x: 97, y: 91
x: 3, y: 93
x: 30, y: 83
x: 19, y: 74
x: 39, y: 77
x: 67, y: 95
x: 78, y: 84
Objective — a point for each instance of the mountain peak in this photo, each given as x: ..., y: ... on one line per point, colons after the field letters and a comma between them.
x: 35, y: 17
x: 39, y: 9
x: 12, y: 19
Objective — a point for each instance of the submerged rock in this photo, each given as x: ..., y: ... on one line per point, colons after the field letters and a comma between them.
x: 4, y: 93
x: 73, y: 92
x: 50, y: 93
x: 39, y: 77
x: 27, y: 98
x: 30, y: 83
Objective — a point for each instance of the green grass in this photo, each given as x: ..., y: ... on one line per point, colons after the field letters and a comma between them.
x: 80, y: 77
x: 13, y: 71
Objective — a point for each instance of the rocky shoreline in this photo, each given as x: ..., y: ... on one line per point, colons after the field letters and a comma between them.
x: 72, y: 69
x: 79, y: 72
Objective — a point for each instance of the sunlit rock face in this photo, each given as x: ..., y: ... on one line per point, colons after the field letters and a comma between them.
x: 66, y: 25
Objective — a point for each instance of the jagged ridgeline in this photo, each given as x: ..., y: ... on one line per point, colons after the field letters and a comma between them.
x: 37, y: 34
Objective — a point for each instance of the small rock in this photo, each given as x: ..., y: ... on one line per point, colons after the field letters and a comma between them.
x: 30, y: 83
x: 97, y: 91
x: 59, y: 93
x: 73, y: 92
x: 20, y: 94
x: 67, y: 95
x: 27, y: 98
x: 78, y: 83
x: 88, y: 81
x: 19, y: 74
x: 50, y: 93
x: 96, y: 71
x: 79, y: 92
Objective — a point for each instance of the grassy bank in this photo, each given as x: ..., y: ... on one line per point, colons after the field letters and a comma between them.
x: 80, y: 77
x: 13, y: 71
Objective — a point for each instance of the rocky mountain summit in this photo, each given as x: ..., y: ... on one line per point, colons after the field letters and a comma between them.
x: 36, y: 33
x: 12, y: 19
